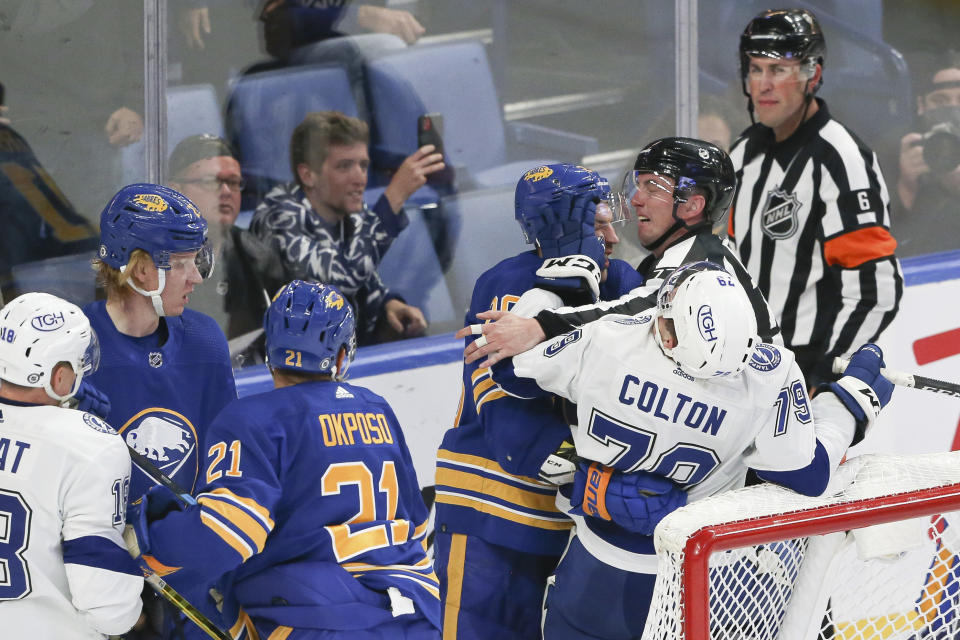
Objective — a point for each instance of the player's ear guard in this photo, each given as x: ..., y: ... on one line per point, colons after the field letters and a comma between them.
x: 636, y: 501
x: 863, y: 389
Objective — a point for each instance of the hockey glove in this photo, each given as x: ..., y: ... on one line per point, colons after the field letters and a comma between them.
x: 153, y: 506
x: 567, y: 236
x: 636, y: 501
x: 560, y: 467
x: 90, y: 399
x: 863, y: 389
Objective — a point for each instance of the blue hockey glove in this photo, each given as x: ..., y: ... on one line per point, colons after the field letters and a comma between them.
x: 152, y: 506
x: 863, y: 389
x: 567, y: 228
x: 92, y: 400
x: 635, y: 501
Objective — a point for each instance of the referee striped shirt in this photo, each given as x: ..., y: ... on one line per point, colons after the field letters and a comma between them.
x: 811, y: 222
x: 694, y: 246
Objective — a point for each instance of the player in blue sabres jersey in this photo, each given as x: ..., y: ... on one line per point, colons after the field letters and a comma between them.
x: 165, y: 369
x: 498, y: 532
x: 309, y: 506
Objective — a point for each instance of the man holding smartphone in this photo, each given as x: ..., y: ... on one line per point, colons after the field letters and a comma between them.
x: 324, y: 230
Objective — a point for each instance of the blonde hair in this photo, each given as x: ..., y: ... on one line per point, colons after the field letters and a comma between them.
x: 113, y: 281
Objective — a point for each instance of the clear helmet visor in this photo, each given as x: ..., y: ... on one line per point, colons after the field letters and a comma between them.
x: 645, y: 184
x: 91, y: 355
x: 204, y: 260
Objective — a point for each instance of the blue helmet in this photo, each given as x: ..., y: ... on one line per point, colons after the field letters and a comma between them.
x: 546, y: 184
x: 156, y: 219
x: 306, y: 326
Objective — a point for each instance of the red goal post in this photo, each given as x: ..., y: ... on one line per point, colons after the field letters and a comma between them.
x: 766, y: 563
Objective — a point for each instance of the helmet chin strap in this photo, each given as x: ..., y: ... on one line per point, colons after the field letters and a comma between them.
x: 153, y: 295
x: 676, y: 226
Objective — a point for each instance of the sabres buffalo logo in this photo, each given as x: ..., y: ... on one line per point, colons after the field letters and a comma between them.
x: 163, y: 436
x: 333, y: 300
x: 538, y: 174
x: 151, y: 202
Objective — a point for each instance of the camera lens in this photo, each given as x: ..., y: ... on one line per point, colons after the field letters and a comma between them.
x: 941, y: 149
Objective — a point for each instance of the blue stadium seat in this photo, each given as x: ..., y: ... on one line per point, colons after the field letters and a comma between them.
x: 487, y: 234
x: 264, y: 108
x: 191, y: 109
x: 69, y: 277
x: 411, y: 268
x: 455, y: 81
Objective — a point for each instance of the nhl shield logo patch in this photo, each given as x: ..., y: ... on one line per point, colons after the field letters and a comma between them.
x: 779, y: 219
x: 155, y: 359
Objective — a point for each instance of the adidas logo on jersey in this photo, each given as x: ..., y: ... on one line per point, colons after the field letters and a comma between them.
x: 343, y: 393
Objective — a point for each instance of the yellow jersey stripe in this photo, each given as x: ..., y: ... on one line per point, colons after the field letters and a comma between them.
x: 561, y: 523
x: 451, y: 606
x: 463, y: 394
x: 479, y: 373
x: 420, y: 529
x: 482, y: 386
x: 280, y: 633
x: 243, y: 622
x: 491, y: 467
x: 360, y: 566
x: 496, y: 489
x: 239, y: 545
x: 434, y: 591
x: 493, y: 395
x: 261, y: 512
x: 239, y: 518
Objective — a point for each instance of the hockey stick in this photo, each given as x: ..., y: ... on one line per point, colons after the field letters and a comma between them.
x: 158, y: 584
x: 907, y: 379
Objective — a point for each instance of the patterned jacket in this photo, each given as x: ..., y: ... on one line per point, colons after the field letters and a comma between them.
x: 346, y: 253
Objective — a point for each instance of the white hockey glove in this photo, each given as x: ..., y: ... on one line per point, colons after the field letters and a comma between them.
x: 863, y: 389
x: 560, y: 467
x: 575, y: 278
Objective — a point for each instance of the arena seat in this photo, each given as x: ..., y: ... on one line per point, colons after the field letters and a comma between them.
x: 264, y: 108
x: 69, y: 277
x: 487, y: 234
x: 191, y: 109
x: 411, y: 268
x: 455, y: 81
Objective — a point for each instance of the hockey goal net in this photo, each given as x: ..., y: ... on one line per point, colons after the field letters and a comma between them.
x: 875, y: 558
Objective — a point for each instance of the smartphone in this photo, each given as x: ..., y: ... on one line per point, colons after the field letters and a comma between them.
x: 430, y: 131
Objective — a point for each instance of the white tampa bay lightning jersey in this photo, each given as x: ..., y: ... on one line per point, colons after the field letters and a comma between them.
x: 637, y: 410
x: 64, y: 570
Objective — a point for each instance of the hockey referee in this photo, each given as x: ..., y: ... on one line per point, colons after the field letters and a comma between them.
x: 811, y: 216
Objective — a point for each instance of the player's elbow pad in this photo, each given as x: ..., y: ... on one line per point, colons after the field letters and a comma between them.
x: 811, y: 480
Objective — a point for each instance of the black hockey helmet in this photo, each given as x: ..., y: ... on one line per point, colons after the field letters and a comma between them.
x: 695, y: 166
x: 788, y: 34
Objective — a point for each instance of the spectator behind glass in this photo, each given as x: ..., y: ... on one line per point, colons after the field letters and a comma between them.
x: 929, y: 184
x: 38, y: 220
x: 74, y: 69
x: 345, y: 33
x: 324, y: 230
x: 205, y: 169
